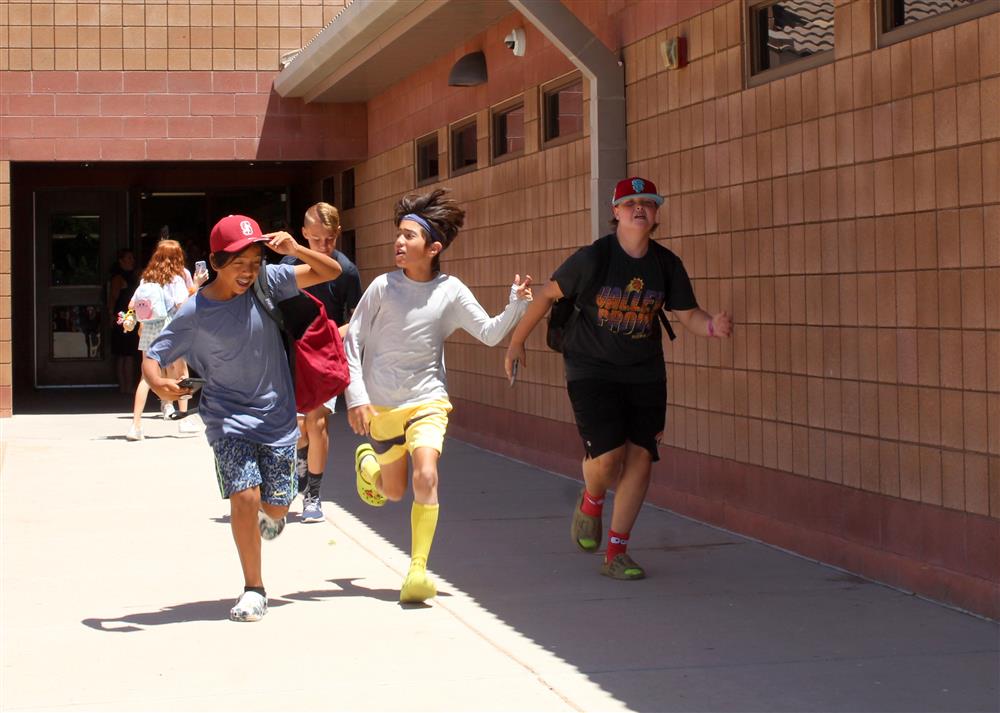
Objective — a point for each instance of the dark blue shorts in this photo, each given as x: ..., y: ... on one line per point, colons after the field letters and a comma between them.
x: 241, y: 464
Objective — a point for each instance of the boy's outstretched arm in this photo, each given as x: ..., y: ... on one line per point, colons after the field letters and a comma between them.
x: 318, y: 267
x: 538, y: 308
x: 466, y: 313
x: 698, y: 321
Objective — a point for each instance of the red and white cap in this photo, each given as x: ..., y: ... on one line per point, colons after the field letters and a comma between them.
x: 636, y: 187
x: 233, y: 233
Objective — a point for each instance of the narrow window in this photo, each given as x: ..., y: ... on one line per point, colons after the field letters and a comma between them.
x: 563, y: 109
x: 463, y: 147
x: 790, y: 36
x: 508, y: 130
x: 427, y: 159
x: 903, y: 19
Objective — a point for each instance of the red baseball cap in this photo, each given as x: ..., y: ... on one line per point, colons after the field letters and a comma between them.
x: 636, y: 187
x: 233, y: 233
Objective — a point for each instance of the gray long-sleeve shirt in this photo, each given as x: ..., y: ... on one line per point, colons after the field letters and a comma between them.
x: 395, y: 345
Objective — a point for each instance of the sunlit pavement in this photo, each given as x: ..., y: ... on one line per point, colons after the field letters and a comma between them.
x: 118, y: 571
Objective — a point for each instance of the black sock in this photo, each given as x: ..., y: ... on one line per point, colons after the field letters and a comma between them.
x: 259, y: 590
x: 314, y: 483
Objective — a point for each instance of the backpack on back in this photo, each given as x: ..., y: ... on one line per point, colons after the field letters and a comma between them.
x: 565, y: 311
x: 149, y: 302
x: 315, y: 350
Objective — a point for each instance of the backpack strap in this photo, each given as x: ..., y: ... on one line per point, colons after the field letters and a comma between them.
x: 262, y: 291
x: 662, y: 256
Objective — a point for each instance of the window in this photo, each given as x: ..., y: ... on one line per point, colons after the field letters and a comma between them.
x: 427, y: 159
x: 347, y: 189
x: 508, y: 130
x: 328, y: 191
x: 789, y: 36
x: 563, y: 110
x: 463, y: 147
x: 903, y: 19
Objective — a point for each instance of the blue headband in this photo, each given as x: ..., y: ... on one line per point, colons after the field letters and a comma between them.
x: 435, y: 235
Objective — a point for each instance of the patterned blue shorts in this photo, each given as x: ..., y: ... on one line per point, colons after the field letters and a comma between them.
x: 241, y: 464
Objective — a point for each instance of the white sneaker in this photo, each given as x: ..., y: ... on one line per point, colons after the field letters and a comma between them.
x: 249, y: 607
x: 269, y: 527
x: 188, y: 426
x: 167, y: 409
x: 134, y: 434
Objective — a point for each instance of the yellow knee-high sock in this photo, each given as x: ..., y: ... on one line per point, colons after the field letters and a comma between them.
x: 423, y: 522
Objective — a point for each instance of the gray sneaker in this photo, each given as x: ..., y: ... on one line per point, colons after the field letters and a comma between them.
x: 249, y: 607
x: 269, y: 527
x: 312, y: 509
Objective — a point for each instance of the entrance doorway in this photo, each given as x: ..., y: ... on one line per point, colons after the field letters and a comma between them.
x: 188, y: 216
x: 77, y: 236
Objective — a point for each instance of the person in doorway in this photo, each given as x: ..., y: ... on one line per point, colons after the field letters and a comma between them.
x: 615, y: 371
x: 248, y: 401
x: 395, y: 349
x: 321, y: 229
x: 165, y: 268
x: 124, y: 345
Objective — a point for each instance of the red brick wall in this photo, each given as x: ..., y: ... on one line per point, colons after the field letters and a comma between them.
x: 154, y: 116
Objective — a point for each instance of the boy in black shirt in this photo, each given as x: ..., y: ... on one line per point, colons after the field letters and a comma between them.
x: 613, y: 354
x: 321, y: 229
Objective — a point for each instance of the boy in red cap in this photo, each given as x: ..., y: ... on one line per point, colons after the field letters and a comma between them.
x: 248, y: 401
x: 613, y: 354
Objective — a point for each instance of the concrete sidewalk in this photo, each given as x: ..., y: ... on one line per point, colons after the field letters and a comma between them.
x: 118, y: 571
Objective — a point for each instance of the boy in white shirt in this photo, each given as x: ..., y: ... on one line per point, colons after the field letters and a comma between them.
x: 395, y: 349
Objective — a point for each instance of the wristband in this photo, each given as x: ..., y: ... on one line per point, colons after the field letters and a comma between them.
x: 711, y: 327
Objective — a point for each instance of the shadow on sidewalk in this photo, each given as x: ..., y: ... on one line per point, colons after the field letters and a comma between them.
x: 217, y: 609
x: 721, y: 622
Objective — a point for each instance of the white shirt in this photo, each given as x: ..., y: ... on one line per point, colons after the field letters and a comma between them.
x: 395, y: 344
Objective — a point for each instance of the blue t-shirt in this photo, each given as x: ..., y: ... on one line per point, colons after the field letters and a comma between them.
x: 238, y: 350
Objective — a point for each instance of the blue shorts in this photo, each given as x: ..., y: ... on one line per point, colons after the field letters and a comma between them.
x: 241, y: 464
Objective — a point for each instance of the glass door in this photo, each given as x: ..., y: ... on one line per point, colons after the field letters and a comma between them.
x: 77, y: 235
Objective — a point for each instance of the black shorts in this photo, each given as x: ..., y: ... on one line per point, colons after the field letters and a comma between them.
x: 609, y: 413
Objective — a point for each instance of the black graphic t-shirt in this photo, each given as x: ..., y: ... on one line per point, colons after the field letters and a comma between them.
x: 617, y: 334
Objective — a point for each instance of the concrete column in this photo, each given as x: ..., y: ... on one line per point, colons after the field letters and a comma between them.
x: 607, y: 98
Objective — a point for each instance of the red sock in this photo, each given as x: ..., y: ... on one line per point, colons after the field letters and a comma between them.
x: 592, y: 506
x: 617, y: 543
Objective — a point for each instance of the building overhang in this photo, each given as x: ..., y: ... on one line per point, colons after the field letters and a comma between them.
x: 373, y: 44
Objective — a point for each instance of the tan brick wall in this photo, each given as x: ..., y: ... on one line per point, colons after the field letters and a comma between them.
x: 137, y: 35
x: 524, y: 215
x: 847, y: 216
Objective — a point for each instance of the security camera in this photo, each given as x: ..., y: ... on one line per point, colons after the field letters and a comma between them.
x: 515, y: 41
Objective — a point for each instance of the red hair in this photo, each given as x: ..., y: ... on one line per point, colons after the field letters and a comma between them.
x: 165, y: 264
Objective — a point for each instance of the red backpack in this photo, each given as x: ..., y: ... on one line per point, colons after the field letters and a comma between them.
x: 315, y: 349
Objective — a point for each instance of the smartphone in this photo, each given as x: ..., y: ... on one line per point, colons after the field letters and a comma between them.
x: 200, y: 266
x: 192, y: 382
x: 513, y: 371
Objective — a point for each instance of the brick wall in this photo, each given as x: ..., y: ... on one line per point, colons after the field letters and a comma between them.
x: 155, y: 81
x: 148, y: 35
x: 847, y: 216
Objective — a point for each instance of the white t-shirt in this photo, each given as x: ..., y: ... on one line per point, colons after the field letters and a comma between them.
x: 395, y: 345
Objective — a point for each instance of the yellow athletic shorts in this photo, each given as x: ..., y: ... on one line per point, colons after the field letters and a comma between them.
x: 397, y: 431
